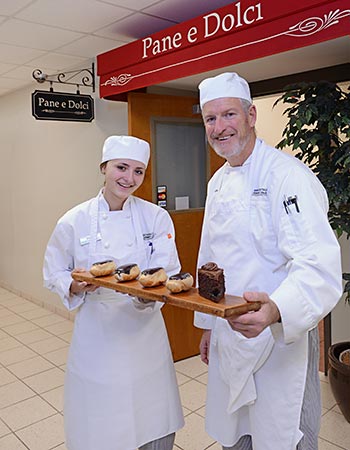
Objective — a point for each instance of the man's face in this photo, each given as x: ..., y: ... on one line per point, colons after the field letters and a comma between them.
x: 229, y: 127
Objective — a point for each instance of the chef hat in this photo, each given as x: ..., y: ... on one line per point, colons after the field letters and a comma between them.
x: 125, y: 147
x: 227, y: 84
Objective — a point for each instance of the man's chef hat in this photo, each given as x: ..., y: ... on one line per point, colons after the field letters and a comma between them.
x: 125, y: 147
x: 227, y: 84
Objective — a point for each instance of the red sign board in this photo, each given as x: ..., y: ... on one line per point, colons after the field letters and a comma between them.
x: 241, y: 31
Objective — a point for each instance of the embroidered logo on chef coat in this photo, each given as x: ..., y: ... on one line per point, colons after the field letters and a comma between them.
x: 258, y: 192
x: 148, y: 236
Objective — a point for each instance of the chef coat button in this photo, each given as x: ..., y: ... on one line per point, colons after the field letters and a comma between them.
x: 106, y: 245
x: 129, y: 244
x: 104, y: 216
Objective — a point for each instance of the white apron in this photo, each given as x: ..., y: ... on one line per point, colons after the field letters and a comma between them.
x: 120, y: 388
x: 271, y: 416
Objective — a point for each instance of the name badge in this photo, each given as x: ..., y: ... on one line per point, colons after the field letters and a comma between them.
x: 148, y: 236
x: 85, y: 240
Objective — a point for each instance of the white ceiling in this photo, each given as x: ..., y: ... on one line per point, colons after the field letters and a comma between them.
x: 59, y: 35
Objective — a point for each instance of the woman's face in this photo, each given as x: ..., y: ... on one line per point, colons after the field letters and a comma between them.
x: 122, y: 178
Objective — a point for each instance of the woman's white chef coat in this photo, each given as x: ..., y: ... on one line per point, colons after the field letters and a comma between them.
x: 266, y: 225
x: 120, y: 387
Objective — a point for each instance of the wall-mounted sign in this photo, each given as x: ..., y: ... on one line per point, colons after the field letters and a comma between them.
x: 62, y: 106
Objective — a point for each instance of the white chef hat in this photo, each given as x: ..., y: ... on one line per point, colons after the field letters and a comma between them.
x: 125, y: 147
x: 228, y: 84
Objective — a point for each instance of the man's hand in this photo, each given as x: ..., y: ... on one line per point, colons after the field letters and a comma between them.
x: 253, y: 323
x: 79, y: 287
x: 204, y: 346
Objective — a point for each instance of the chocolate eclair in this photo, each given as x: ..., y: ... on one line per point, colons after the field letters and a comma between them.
x: 153, y: 277
x: 179, y: 282
x: 103, y: 268
x: 127, y: 272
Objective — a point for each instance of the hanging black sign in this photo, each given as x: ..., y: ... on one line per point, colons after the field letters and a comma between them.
x: 62, y: 106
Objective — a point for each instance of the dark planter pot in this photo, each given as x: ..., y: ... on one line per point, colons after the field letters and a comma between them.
x: 339, y: 377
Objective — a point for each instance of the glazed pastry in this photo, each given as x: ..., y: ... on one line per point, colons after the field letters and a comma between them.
x: 153, y: 277
x: 127, y: 272
x: 103, y: 268
x: 182, y: 281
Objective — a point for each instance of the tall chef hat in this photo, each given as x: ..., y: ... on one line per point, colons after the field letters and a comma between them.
x: 228, y: 84
x: 125, y: 147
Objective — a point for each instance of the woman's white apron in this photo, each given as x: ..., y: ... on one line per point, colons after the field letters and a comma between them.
x: 120, y: 389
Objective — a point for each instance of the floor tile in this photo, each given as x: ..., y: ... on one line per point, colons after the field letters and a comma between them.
x: 30, y: 367
x: 16, y: 355
x: 335, y: 429
x: 13, y: 301
x: 215, y: 446
x: 186, y: 411
x: 11, y: 442
x: 26, y: 413
x: 203, y: 378
x: 48, y: 345
x: 58, y: 357
x: 46, y: 321
x: 11, y: 319
x: 4, y: 429
x: 20, y: 328
x: 327, y: 398
x: 33, y: 336
x: 192, y: 367
x: 13, y: 393
x: 8, y: 344
x: 55, y: 398
x: 5, y: 312
x: 44, y: 435
x: 3, y: 335
x: 60, y: 447
x: 62, y: 327
x: 182, y: 379
x: 46, y: 381
x: 66, y: 336
x: 193, y: 395
x: 6, y: 377
x: 325, y: 445
x: 35, y: 313
x: 22, y: 307
x: 194, y: 427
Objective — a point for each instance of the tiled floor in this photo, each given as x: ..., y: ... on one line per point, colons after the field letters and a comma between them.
x: 33, y: 350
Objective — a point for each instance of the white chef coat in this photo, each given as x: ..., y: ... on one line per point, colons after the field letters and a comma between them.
x: 288, y: 251
x: 120, y: 387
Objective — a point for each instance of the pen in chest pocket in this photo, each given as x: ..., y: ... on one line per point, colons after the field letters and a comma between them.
x: 288, y: 201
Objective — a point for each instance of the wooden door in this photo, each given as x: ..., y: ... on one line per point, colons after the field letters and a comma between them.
x: 184, y: 337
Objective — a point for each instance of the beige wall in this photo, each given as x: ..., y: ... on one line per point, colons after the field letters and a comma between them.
x: 46, y: 167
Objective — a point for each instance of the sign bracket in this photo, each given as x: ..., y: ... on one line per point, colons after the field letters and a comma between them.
x: 82, y: 77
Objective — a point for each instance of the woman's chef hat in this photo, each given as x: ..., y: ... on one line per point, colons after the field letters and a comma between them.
x: 125, y: 147
x: 227, y: 84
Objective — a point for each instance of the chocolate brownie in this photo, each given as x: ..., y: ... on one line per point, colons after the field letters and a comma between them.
x: 211, y: 282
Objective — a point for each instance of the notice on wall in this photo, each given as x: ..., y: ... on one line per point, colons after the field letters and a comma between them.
x: 48, y: 105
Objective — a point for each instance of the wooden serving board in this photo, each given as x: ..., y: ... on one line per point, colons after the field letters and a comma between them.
x: 229, y: 306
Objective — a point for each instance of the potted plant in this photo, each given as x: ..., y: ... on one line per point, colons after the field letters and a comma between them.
x: 318, y: 130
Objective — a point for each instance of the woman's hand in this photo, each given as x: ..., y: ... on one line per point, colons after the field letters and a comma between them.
x: 79, y: 287
x: 204, y: 346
